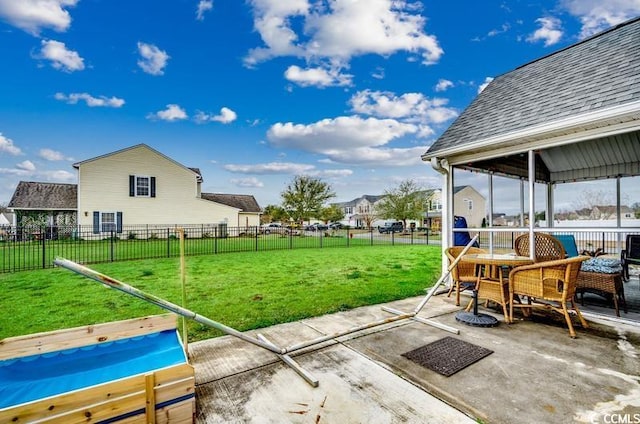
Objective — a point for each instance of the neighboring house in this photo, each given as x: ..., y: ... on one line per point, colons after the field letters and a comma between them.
x: 6, y: 218
x: 361, y: 212
x: 133, y: 186
x: 44, y: 204
x: 467, y: 202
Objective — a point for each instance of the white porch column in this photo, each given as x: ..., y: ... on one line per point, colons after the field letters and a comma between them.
x: 490, y: 211
x: 521, y: 202
x: 532, y: 203
x: 549, y: 211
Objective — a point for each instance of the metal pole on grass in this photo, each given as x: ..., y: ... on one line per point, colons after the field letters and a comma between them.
x: 183, y: 280
x: 123, y: 287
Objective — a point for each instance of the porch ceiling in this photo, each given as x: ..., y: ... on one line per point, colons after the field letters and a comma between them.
x: 605, y: 157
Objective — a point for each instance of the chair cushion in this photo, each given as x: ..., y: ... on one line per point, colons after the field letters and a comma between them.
x: 602, y: 265
x: 569, y: 243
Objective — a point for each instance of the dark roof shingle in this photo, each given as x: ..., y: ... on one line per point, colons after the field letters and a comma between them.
x: 244, y: 202
x: 596, y: 73
x: 49, y: 196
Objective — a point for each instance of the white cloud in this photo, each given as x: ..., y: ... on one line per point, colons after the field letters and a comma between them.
x: 203, y: 6
x: 271, y: 20
x: 225, y: 116
x: 153, y: 59
x: 317, y: 77
x: 340, y: 30
x: 333, y: 173
x: 411, y: 107
x: 101, y: 101
x: 550, y: 31
x: 332, y: 135
x: 270, y: 168
x: 15, y: 171
x: 26, y: 165
x: 62, y: 176
x: 379, y: 157
x: 34, y: 15
x: 597, y: 15
x: 173, y: 112
x: 247, y: 182
x: 7, y: 146
x: 378, y: 73
x: 504, y: 28
x: 27, y: 169
x: 52, y: 155
x: 486, y: 82
x: 61, y: 58
x: 443, y: 85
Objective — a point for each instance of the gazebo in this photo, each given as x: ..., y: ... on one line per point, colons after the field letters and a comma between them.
x: 570, y: 116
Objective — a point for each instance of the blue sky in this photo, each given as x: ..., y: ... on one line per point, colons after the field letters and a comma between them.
x: 256, y: 92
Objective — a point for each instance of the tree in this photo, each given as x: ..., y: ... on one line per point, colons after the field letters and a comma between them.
x: 406, y: 201
x: 331, y: 213
x: 304, y: 197
x: 274, y: 213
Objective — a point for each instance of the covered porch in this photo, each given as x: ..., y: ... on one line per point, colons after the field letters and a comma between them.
x: 557, y: 142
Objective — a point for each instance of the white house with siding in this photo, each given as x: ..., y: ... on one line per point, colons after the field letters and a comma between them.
x: 133, y: 186
x: 139, y: 185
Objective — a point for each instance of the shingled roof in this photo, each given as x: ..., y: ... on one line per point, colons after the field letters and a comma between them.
x: 595, y: 74
x: 244, y: 202
x: 44, y: 196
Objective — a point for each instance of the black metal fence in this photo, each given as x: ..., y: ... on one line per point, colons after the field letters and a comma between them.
x: 28, y: 248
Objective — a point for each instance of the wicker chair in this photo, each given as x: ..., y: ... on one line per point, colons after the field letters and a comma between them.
x: 463, y: 274
x: 548, y: 248
x: 630, y: 255
x: 550, y: 284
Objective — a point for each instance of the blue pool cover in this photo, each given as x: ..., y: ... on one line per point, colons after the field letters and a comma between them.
x: 38, y: 376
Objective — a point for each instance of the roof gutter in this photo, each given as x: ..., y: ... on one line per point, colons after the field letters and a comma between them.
x: 626, y: 112
x: 440, y: 165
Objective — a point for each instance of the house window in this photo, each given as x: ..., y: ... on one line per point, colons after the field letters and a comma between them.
x: 106, y: 222
x: 142, y: 186
x: 469, y: 203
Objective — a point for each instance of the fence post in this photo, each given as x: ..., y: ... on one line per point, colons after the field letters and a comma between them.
x: 215, y: 240
x: 168, y: 243
x: 371, y: 234
x: 111, y: 246
x: 348, y: 236
x: 44, y: 254
x: 257, y: 233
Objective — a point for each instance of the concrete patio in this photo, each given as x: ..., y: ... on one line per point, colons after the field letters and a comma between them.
x: 537, y: 373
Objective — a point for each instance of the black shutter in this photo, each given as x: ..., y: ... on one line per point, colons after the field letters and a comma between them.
x: 118, y: 222
x: 96, y: 222
x: 132, y: 185
x: 153, y: 186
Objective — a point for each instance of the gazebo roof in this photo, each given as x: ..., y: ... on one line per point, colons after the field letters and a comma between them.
x: 578, y: 108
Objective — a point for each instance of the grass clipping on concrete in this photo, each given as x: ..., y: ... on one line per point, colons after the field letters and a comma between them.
x: 242, y: 290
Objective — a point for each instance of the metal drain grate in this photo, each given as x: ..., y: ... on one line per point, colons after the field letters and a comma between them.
x: 447, y: 356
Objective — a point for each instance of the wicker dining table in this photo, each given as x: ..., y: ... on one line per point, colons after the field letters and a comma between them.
x: 490, y: 284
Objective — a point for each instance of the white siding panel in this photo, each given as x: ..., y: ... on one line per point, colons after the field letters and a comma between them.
x: 105, y: 187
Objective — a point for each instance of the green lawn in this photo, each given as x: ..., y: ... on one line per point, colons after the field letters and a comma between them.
x: 243, y: 290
